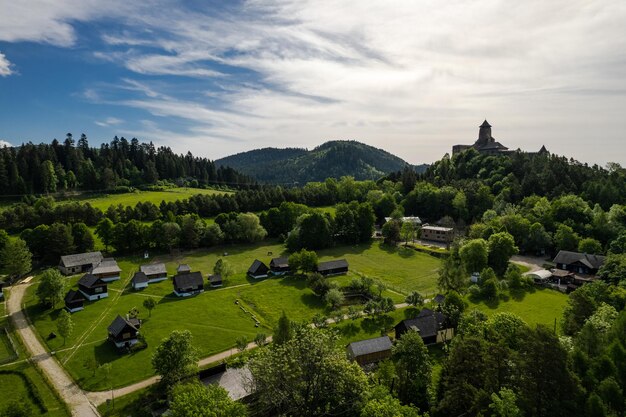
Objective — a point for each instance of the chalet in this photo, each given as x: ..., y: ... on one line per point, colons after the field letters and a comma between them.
x: 107, y: 270
x: 154, y: 272
x: 74, y: 301
x: 183, y: 269
x: 258, y: 270
x: 280, y: 266
x: 139, y: 281
x: 337, y: 267
x: 370, y: 351
x: 437, y: 233
x: 580, y: 263
x: 215, y: 280
x: 79, y: 262
x: 431, y: 325
x: 123, y: 332
x: 92, y: 287
x: 188, y: 283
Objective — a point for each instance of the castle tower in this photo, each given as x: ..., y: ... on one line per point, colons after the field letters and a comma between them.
x: 484, y: 134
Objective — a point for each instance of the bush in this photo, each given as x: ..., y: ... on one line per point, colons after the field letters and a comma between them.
x: 474, y: 290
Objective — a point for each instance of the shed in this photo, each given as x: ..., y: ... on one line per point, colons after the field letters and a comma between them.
x: 107, y: 270
x: 140, y: 281
x: 369, y: 351
x: 92, y: 287
x: 154, y: 272
x: 123, y: 333
x: 79, y: 262
x: 280, y: 266
x: 336, y: 267
x: 258, y: 270
x: 74, y: 301
x: 431, y: 326
x: 540, y: 276
x: 215, y: 280
x: 188, y: 284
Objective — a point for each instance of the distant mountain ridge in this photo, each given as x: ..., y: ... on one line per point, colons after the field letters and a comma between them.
x: 331, y: 159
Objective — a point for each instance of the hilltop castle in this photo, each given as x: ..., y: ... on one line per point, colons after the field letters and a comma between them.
x: 486, y: 144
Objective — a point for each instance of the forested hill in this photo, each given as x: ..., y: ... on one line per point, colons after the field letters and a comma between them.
x: 332, y: 159
x: 70, y: 165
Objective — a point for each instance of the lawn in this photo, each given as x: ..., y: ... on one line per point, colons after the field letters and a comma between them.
x: 541, y: 306
x: 212, y: 317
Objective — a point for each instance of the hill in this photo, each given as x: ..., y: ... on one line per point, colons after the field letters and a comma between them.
x: 331, y: 159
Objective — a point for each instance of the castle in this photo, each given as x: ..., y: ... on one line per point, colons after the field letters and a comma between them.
x: 486, y: 144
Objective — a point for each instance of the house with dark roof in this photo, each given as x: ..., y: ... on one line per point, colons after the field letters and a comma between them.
x: 580, y: 263
x: 107, y: 270
x: 183, y: 268
x: 336, y: 267
x: 370, y: 351
x: 258, y: 270
x: 187, y: 284
x: 215, y: 280
x: 92, y: 287
x: 280, y: 266
x: 154, y: 272
x: 139, y: 281
x: 79, y: 262
x: 123, y: 332
x: 431, y: 326
x: 74, y: 301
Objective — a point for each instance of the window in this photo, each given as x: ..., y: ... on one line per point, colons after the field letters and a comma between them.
x: 126, y: 336
x: 98, y: 290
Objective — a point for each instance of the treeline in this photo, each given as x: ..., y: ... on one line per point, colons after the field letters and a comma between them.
x: 71, y: 165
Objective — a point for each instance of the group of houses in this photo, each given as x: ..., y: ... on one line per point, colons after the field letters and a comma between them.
x: 280, y: 266
x: 432, y: 326
x: 429, y: 232
x: 571, y: 270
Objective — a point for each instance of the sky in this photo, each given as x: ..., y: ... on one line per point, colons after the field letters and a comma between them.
x: 413, y: 77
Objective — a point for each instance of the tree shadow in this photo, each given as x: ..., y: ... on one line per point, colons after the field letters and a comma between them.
x: 349, y: 329
x: 377, y: 324
x: 411, y: 312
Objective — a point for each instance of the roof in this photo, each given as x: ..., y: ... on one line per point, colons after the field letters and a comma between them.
x: 485, y: 124
x: 567, y: 257
x: 73, y: 296
x: 427, y: 322
x: 492, y: 145
x: 365, y: 347
x: 441, y: 229
x: 561, y: 273
x: 183, y: 268
x: 118, y: 325
x: 215, y: 278
x: 107, y: 266
x: 89, y: 281
x: 282, y: 262
x: 540, y: 274
x: 79, y: 259
x: 153, y: 269
x: 188, y: 279
x: 140, y: 278
x: 439, y: 298
x: 336, y: 264
x: 256, y: 265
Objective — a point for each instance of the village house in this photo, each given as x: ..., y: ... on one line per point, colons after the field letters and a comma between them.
x: 92, y: 287
x: 215, y: 280
x: 437, y: 233
x: 107, y: 270
x: 580, y: 263
x: 139, y: 281
x: 280, y: 266
x: 74, y: 301
x: 370, y: 351
x: 154, y: 272
x: 187, y: 284
x: 329, y: 268
x: 258, y: 270
x: 124, y: 332
x: 79, y: 262
x: 431, y: 326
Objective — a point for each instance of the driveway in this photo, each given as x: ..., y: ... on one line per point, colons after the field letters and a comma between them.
x: 535, y: 263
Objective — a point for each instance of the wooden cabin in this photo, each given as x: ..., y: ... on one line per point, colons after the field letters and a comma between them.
x: 258, y: 270
x: 74, y: 301
x: 280, y: 266
x: 79, y: 262
x: 123, y: 332
x: 92, y: 287
x: 188, y: 284
x: 337, y: 267
x: 370, y: 351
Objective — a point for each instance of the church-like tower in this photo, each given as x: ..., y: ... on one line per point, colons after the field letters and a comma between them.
x: 484, y: 134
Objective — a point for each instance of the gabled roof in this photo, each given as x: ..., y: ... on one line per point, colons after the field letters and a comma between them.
x: 485, y: 124
x: 140, y: 278
x: 282, y: 262
x: 107, y: 266
x: 427, y: 323
x: 183, y: 268
x: 79, y: 259
x: 365, y: 347
x: 568, y: 257
x: 329, y: 265
x: 89, y: 281
x: 74, y: 296
x: 257, y: 266
x: 118, y: 325
x: 215, y: 278
x: 153, y: 269
x: 441, y: 229
x: 188, y: 279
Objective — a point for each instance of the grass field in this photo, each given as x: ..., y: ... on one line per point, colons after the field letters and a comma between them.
x: 213, y: 317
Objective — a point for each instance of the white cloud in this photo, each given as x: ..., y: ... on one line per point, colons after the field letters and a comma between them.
x: 5, y: 66
x: 4, y: 143
x: 109, y: 121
